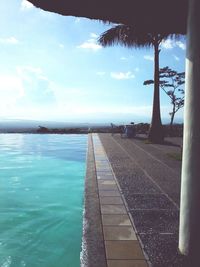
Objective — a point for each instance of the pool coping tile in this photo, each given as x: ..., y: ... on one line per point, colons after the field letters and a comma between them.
x: 127, y: 263
x: 111, y: 200
x: 122, y: 247
x: 123, y: 250
x: 109, y: 193
x: 116, y: 220
x: 113, y: 209
x: 112, y: 233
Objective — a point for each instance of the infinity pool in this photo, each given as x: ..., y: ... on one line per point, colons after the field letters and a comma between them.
x: 41, y: 199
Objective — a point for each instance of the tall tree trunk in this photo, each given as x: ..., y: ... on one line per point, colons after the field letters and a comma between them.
x: 172, y: 120
x: 156, y: 133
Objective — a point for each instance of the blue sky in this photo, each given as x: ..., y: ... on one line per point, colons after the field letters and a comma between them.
x: 52, y: 68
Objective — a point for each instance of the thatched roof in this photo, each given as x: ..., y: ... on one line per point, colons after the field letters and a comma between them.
x: 161, y: 16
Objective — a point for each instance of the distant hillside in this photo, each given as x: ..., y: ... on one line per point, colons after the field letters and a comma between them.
x: 32, y: 126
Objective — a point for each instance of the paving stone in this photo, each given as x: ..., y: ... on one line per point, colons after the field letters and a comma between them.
x: 105, y: 177
x: 103, y: 163
x: 111, y: 200
x: 106, y: 163
x: 127, y: 263
x: 101, y: 158
x: 99, y: 155
x: 109, y: 193
x: 106, y: 182
x: 119, y: 233
x: 116, y: 219
x: 103, y: 174
x: 113, y: 209
x: 103, y: 168
x: 108, y: 187
x: 123, y: 250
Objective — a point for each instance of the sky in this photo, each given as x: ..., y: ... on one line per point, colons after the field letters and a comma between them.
x: 53, y: 69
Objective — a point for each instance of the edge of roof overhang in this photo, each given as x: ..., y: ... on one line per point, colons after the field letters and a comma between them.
x: 159, y: 16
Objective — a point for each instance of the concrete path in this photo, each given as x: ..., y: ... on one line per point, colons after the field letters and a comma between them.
x: 149, y: 178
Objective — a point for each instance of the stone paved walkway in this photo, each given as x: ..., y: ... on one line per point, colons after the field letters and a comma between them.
x: 120, y: 239
x: 150, y: 182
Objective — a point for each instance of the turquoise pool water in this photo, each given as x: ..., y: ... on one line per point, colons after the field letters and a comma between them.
x: 41, y: 199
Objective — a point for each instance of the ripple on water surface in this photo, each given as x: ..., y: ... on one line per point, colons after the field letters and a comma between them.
x: 41, y: 199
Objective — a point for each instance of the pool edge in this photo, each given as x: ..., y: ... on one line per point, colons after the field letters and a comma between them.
x: 93, y: 249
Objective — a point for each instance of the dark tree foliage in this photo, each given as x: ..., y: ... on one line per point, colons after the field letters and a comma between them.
x: 172, y: 83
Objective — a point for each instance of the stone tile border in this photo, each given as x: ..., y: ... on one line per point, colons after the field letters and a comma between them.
x: 122, y: 247
x: 93, y: 246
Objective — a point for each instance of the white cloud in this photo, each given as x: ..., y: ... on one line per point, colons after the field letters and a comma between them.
x: 101, y: 73
x: 122, y: 75
x: 170, y: 44
x: 9, y: 84
x: 29, y: 94
x: 137, y: 69
x: 176, y: 58
x: 25, y: 5
x: 27, y: 85
x: 30, y: 69
x: 26, y: 73
x: 37, y: 87
x: 10, y: 40
x: 90, y: 44
x: 77, y: 20
x: 94, y: 35
x: 181, y: 45
x: 147, y: 57
x: 32, y: 76
x: 11, y: 90
x: 124, y: 58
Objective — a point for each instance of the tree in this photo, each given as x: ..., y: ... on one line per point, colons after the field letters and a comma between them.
x: 131, y: 37
x: 171, y: 81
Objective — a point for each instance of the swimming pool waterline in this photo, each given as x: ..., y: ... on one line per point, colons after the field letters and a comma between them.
x: 41, y: 199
